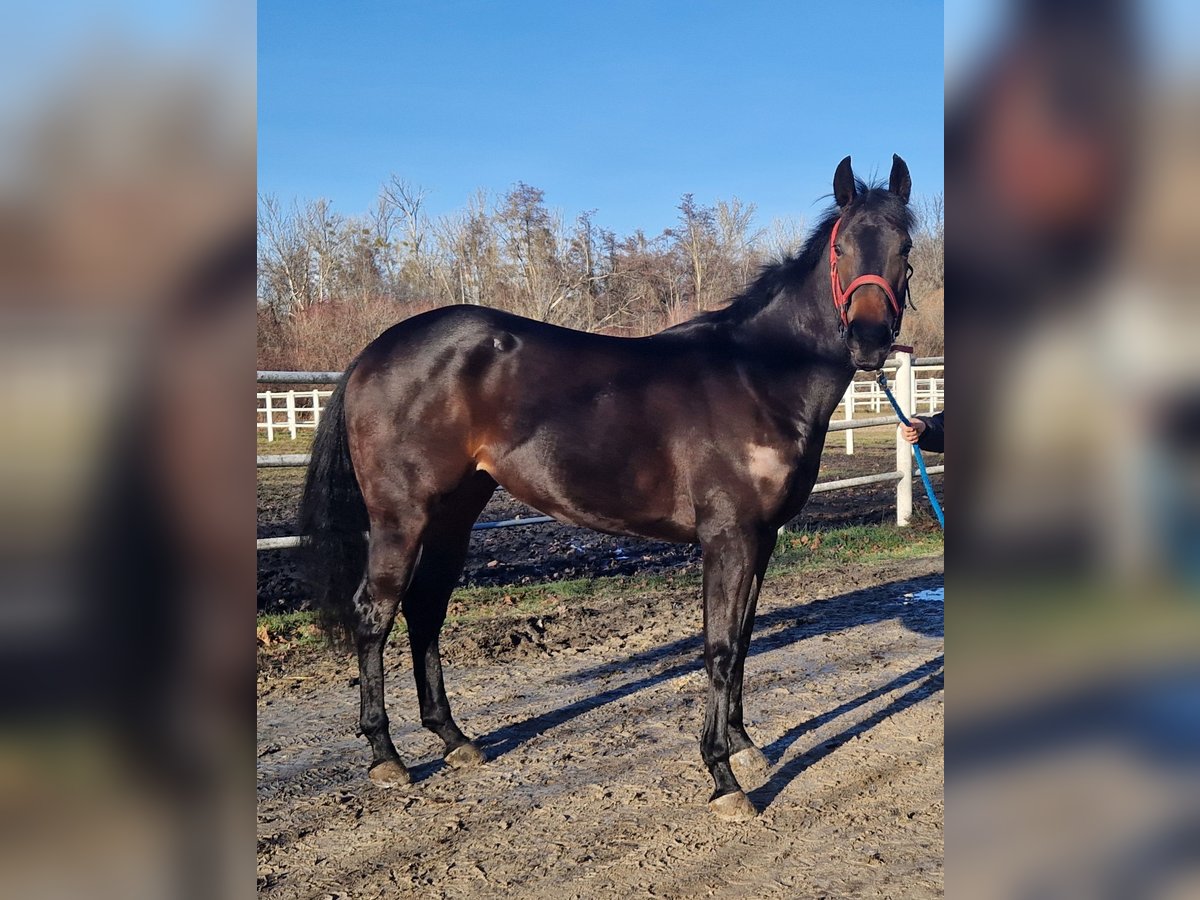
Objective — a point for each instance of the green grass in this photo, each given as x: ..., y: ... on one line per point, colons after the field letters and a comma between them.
x: 284, y: 444
x: 799, y: 551
x: 292, y: 628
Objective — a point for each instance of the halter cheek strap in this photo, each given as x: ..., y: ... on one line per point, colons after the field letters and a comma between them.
x: 841, y: 298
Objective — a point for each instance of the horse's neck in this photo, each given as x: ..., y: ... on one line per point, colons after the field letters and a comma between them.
x: 798, y: 349
x: 798, y: 332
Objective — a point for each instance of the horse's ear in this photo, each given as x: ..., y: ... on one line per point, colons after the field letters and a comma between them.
x: 843, y: 183
x: 900, y: 182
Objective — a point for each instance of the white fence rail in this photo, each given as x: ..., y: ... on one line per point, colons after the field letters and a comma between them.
x: 302, y: 410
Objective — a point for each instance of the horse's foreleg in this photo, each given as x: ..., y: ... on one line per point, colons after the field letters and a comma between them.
x: 389, y: 570
x: 748, y: 762
x: 730, y: 558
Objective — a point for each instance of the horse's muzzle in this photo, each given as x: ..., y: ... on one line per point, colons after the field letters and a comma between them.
x: 869, y: 344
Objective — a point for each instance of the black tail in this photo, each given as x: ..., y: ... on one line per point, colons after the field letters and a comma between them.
x: 333, y: 518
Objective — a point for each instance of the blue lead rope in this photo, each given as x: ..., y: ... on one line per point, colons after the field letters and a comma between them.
x: 937, y: 507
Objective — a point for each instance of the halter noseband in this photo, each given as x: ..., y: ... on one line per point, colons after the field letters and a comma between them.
x: 841, y: 299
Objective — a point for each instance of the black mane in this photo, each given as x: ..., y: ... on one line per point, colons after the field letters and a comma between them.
x: 790, y: 272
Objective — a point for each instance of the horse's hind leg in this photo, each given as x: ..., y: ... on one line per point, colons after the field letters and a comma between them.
x: 444, y: 544
x: 390, y: 564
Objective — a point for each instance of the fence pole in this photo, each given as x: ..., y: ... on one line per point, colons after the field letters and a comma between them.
x: 270, y: 417
x: 291, y: 413
x: 904, y: 463
x: 316, y: 408
x: 849, y: 417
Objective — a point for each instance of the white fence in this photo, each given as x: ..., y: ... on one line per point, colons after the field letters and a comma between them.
x: 904, y: 386
x: 301, y: 410
x: 928, y: 393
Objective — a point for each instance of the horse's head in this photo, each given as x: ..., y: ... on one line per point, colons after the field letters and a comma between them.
x: 868, y: 261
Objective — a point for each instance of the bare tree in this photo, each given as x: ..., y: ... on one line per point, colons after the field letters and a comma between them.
x: 406, y: 201
x: 323, y: 233
x: 358, y: 270
x: 282, y: 256
x: 696, y: 239
x: 736, y: 241
x: 781, y: 239
x: 468, y: 266
x: 925, y: 326
x: 928, y: 256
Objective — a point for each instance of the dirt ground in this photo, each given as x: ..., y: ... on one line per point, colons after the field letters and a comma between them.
x: 593, y: 785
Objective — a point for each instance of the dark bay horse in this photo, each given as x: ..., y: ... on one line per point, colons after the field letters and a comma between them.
x: 710, y: 432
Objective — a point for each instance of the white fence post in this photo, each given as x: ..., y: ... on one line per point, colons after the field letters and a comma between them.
x: 291, y: 413
x: 904, y: 460
x: 316, y: 408
x: 270, y: 418
x: 849, y: 417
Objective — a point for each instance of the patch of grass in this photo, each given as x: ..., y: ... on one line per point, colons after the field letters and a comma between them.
x: 284, y: 444
x: 289, y: 628
x: 798, y: 550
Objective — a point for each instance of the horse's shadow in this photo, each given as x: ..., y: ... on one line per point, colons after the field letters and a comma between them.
x: 933, y: 674
x: 774, y: 629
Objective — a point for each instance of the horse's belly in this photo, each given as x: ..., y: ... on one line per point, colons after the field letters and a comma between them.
x: 644, y: 506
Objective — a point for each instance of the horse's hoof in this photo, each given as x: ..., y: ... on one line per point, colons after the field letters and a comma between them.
x: 750, y: 767
x: 464, y: 756
x: 735, y: 807
x: 390, y: 773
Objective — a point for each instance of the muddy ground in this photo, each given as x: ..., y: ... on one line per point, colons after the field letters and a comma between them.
x: 593, y: 786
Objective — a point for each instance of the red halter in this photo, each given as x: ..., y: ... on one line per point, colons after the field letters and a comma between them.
x: 841, y: 299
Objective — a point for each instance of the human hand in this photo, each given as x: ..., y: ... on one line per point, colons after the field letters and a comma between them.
x: 912, y: 433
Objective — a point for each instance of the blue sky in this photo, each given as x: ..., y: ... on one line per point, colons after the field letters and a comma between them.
x: 619, y: 106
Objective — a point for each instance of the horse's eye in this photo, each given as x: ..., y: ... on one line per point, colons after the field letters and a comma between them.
x: 837, y: 248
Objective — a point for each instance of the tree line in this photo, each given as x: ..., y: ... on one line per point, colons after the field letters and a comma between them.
x: 329, y: 283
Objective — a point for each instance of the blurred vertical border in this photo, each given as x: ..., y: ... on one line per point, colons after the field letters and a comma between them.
x: 127, y: 257
x: 1073, y: 619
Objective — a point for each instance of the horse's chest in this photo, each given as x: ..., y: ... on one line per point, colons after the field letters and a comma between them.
x: 768, y: 468
x: 780, y: 476
x: 770, y: 473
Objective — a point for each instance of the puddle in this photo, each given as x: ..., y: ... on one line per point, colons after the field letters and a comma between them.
x: 933, y: 595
